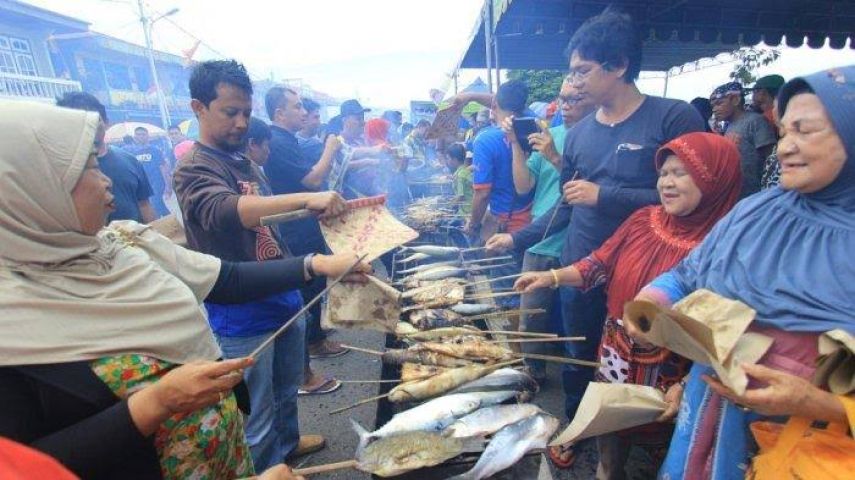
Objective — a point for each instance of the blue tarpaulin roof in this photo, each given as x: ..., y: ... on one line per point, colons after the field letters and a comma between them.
x: 533, y: 34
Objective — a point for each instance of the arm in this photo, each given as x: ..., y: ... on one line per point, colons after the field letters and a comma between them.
x: 316, y: 176
x: 480, y: 200
x: 147, y: 211
x: 485, y: 99
x: 619, y: 201
x: 523, y: 180
x: 536, y: 231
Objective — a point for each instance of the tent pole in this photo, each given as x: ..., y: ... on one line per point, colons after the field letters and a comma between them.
x: 488, y: 41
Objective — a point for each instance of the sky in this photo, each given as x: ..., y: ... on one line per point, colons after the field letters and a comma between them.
x: 383, y: 52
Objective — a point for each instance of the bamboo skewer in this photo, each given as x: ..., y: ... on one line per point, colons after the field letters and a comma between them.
x: 361, y: 402
x: 503, y: 313
x: 553, y: 358
x: 492, y: 295
x: 370, y: 381
x: 473, y: 249
x: 329, y: 467
x: 363, y: 350
x: 537, y: 340
x: 305, y: 308
x: 491, y: 280
x: 520, y: 334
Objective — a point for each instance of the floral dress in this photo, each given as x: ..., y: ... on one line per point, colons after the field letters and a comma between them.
x: 206, y: 444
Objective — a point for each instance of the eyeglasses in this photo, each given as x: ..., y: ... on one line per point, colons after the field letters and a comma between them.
x: 583, y: 73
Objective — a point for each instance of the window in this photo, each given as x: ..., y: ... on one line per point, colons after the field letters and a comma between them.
x: 118, y: 76
x: 16, y: 57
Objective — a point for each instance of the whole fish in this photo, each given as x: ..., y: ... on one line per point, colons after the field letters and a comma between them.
x: 439, y: 273
x: 417, y: 371
x: 441, y: 296
x: 430, y: 287
x: 444, y: 332
x: 494, y: 398
x: 469, y: 348
x: 510, y: 444
x: 472, y: 308
x: 430, y: 319
x: 489, y: 420
x: 420, y: 355
x: 414, y: 258
x: 402, y: 329
x: 503, y: 379
x: 433, y: 250
x: 432, y: 416
x: 441, y: 383
x: 397, y: 454
x: 426, y: 266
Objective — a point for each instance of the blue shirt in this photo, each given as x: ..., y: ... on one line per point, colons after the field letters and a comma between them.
x: 254, y: 318
x: 151, y: 159
x: 547, y: 191
x: 493, y: 168
x: 130, y: 184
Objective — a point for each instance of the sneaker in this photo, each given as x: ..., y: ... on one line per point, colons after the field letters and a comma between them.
x: 326, y: 349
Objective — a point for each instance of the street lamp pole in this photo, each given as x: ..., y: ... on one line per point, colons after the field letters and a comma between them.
x: 161, y: 99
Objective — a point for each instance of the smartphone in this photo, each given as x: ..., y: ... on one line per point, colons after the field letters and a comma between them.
x: 523, y: 127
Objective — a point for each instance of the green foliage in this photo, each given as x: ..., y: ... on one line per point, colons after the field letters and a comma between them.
x: 543, y: 84
x: 749, y: 59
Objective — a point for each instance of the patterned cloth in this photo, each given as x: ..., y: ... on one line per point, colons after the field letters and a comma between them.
x: 206, y: 444
x: 771, y: 172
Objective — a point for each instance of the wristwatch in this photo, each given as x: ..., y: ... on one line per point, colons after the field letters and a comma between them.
x: 308, y: 269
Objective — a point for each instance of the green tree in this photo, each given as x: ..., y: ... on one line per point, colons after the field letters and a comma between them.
x: 543, y: 84
x: 748, y: 60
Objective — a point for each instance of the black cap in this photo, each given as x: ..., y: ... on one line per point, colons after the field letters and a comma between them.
x: 352, y: 107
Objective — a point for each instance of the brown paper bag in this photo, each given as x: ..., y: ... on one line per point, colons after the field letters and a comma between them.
x: 705, y: 328
x: 611, y: 407
x: 370, y: 230
x: 373, y: 306
x: 836, y: 362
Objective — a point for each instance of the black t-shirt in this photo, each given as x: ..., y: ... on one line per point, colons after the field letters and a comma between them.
x: 151, y: 159
x: 130, y: 184
x: 285, y: 168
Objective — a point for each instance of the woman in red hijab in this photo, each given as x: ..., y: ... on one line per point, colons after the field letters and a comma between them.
x: 699, y: 182
x: 376, y: 132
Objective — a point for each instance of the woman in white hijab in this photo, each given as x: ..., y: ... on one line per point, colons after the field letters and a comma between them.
x: 96, y: 321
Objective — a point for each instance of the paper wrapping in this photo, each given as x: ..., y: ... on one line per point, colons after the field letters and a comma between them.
x: 373, y: 306
x: 445, y: 124
x: 836, y: 362
x: 705, y: 328
x: 611, y: 407
x: 369, y: 230
x: 170, y: 228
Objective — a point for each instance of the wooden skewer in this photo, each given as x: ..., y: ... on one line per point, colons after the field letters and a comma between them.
x: 473, y: 249
x: 506, y: 313
x: 361, y: 402
x: 487, y: 267
x: 493, y: 295
x: 370, y: 381
x: 553, y: 358
x: 520, y: 334
x: 329, y: 467
x: 491, y: 280
x: 363, y: 350
x: 536, y: 340
x: 487, y: 260
x: 305, y: 308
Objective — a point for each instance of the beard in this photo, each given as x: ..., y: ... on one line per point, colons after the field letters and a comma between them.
x: 229, y: 147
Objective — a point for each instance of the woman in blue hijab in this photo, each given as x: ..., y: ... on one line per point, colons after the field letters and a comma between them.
x: 789, y: 253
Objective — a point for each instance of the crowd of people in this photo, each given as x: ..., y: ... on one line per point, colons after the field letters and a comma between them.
x: 125, y: 355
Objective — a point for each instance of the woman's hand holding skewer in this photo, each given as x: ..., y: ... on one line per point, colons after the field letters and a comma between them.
x: 334, y: 265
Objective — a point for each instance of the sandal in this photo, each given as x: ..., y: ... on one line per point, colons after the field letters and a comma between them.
x: 562, y: 456
x: 329, y: 385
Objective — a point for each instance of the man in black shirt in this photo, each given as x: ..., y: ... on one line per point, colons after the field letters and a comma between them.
x: 289, y: 171
x: 130, y: 187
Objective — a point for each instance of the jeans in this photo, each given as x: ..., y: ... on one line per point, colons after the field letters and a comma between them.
x: 272, y: 429
x: 543, y: 298
x: 584, y: 314
x: 314, y: 333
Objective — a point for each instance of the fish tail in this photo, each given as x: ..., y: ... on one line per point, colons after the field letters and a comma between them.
x: 363, y: 434
x: 470, y: 475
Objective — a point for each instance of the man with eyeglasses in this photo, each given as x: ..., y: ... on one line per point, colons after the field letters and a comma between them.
x: 608, y: 172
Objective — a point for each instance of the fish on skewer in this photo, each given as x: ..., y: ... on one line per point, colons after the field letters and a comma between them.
x: 503, y: 379
x: 438, y: 273
x: 473, y: 308
x: 510, y: 444
x: 442, y: 383
x: 414, y: 258
x: 436, y: 318
x: 431, y: 416
x: 489, y: 420
x: 429, y: 286
x: 417, y: 371
x: 397, y: 454
x: 425, y: 357
x: 432, y: 250
x: 442, y: 295
x: 445, y: 332
x: 470, y: 348
x: 427, y: 266
x: 402, y: 329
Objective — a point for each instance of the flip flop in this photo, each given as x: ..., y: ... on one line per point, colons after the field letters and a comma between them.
x: 555, y: 454
x: 330, y: 385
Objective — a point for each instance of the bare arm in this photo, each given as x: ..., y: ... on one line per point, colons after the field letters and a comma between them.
x: 315, y: 178
x: 523, y: 181
x: 147, y: 211
x: 480, y: 199
x: 251, y: 207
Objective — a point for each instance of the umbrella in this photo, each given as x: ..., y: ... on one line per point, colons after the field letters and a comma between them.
x: 117, y: 132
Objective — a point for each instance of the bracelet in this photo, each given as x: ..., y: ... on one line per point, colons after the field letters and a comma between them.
x: 555, y: 282
x: 308, y: 268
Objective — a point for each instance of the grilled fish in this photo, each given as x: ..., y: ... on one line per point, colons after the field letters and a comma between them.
x: 444, y: 332
x: 489, y: 420
x: 417, y: 371
x: 436, y: 318
x: 510, y: 444
x: 473, y: 308
x: 440, y: 383
x: 433, y: 250
x: 425, y: 357
x: 471, y: 348
x: 432, y: 416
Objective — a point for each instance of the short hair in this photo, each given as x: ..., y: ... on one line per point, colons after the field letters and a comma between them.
x: 208, y: 75
x: 258, y: 131
x: 311, y: 105
x: 611, y: 38
x: 512, y: 96
x: 274, y: 97
x: 457, y: 151
x: 140, y: 129
x: 423, y: 123
x: 82, y: 101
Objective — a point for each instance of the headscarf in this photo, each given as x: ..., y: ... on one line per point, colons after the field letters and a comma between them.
x: 66, y: 296
x: 376, y: 131
x: 651, y: 241
x: 786, y: 254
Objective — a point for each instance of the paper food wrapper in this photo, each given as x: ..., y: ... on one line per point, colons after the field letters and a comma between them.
x: 170, y: 228
x: 369, y: 230
x: 705, y: 328
x: 445, y: 124
x: 373, y: 306
x: 611, y: 407
x: 836, y: 362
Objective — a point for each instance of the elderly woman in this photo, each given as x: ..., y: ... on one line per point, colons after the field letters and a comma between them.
x: 97, y: 321
x: 699, y: 182
x: 787, y: 253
